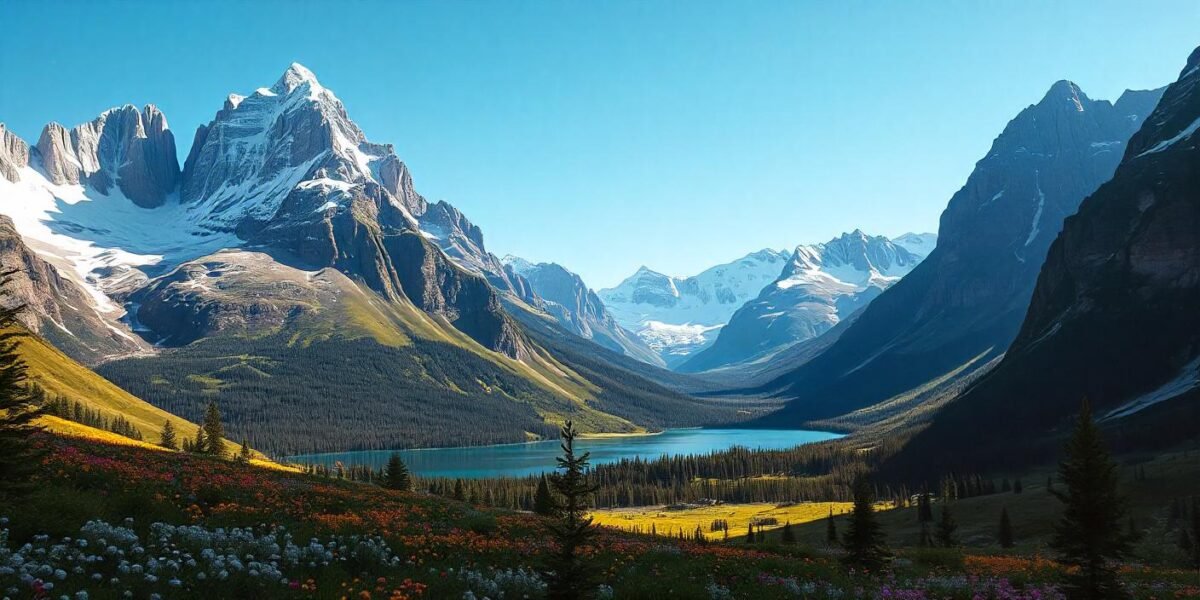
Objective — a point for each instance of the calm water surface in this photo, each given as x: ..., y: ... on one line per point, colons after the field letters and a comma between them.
x: 516, y: 460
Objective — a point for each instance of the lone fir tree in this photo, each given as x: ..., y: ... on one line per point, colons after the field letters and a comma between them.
x: 864, y: 538
x: 396, y: 475
x: 168, y: 437
x: 214, y: 432
x: 1090, y: 535
x: 18, y: 407
x: 568, y: 576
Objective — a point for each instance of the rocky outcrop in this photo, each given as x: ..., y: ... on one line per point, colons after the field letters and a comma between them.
x: 123, y: 148
x: 14, y: 155
x: 57, y: 308
x: 462, y: 241
x: 965, y: 302
x: 1112, y: 319
x: 438, y: 286
x: 822, y: 285
x: 231, y: 292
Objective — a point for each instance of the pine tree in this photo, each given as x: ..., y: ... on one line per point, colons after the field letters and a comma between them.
x: 167, y: 437
x: 199, y: 444
x: 1089, y: 534
x: 946, y: 528
x: 864, y: 538
x: 543, y: 500
x: 1017, y: 487
x: 1185, y: 543
x: 214, y: 431
x: 569, y: 577
x: 396, y: 475
x: 787, y: 536
x: 244, y: 454
x: 1005, y: 535
x: 460, y: 492
x: 18, y: 410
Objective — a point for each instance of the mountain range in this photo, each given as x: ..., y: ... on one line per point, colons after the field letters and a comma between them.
x: 820, y: 286
x: 961, y: 307
x: 1112, y: 318
x: 289, y: 267
x: 285, y: 246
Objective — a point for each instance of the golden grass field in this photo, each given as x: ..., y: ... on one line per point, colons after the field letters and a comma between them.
x: 739, y: 517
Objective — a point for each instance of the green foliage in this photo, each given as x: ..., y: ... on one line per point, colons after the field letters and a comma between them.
x: 396, y: 475
x: 214, y: 432
x: 1090, y: 535
x: 422, y: 394
x: 568, y: 576
x: 18, y: 410
x: 167, y: 439
x: 864, y: 538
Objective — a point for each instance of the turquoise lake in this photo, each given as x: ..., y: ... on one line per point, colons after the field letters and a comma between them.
x: 517, y: 460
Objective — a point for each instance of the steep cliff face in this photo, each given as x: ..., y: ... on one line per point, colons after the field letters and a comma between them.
x: 123, y: 148
x: 578, y: 309
x: 14, y: 155
x: 963, y: 305
x: 1113, y: 317
x: 58, y: 309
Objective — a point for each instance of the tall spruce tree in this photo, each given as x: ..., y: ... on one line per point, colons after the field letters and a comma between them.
x: 568, y: 576
x: 396, y: 475
x: 543, y: 499
x: 864, y: 537
x: 946, y: 528
x: 214, y: 431
x: 1005, y: 534
x: 168, y: 438
x: 199, y: 444
x: 18, y: 408
x: 1090, y: 535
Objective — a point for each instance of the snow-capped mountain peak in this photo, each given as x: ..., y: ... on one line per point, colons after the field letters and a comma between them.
x: 677, y: 316
x: 296, y: 76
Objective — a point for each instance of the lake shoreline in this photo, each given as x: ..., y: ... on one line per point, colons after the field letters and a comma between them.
x: 523, y: 459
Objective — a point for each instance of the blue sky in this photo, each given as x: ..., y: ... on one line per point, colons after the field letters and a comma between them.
x: 607, y: 135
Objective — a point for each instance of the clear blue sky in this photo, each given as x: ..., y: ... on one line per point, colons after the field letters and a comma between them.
x: 607, y: 135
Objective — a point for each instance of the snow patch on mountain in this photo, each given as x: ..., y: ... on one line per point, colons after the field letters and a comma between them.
x: 677, y: 316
